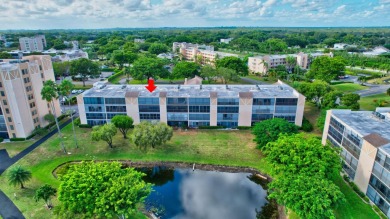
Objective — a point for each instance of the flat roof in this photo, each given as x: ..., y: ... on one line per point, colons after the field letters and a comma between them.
x: 233, y: 91
x: 365, y: 123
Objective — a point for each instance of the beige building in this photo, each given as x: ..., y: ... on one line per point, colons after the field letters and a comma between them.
x: 227, y: 106
x: 36, y: 43
x: 22, y: 107
x: 364, y: 140
x: 261, y: 64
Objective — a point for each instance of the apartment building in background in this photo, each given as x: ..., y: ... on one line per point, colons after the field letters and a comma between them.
x: 33, y: 44
x: 227, y: 41
x: 229, y: 106
x: 21, y: 106
x: 262, y: 64
x: 201, y: 53
x: 364, y: 140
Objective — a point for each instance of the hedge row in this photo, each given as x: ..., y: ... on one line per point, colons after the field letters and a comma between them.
x: 244, y: 127
x: 340, y: 82
x: 85, y: 126
x: 115, y: 76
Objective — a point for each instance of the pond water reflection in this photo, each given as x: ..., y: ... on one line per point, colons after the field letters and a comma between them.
x: 187, y: 194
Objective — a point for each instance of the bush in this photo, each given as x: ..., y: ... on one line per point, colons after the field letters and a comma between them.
x: 63, y: 169
x: 77, y: 122
x: 340, y: 82
x: 346, y: 178
x: 115, y: 76
x: 356, y: 189
x: 366, y: 199
x: 17, y: 139
x: 109, y: 69
x: 306, y: 125
x: 244, y: 127
x: 1, y: 139
x: 210, y: 127
x: 85, y: 126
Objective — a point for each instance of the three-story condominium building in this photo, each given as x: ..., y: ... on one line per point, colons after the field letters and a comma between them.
x: 364, y: 139
x: 21, y: 105
x: 229, y: 106
x: 36, y: 43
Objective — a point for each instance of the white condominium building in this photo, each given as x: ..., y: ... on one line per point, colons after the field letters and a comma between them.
x: 33, y: 44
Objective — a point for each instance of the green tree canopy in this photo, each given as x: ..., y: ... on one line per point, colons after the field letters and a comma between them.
x: 5, y: 55
x: 234, y: 63
x: 147, y: 134
x: 105, y: 133
x: 45, y: 192
x: 65, y: 87
x: 208, y: 72
x: 84, y: 67
x: 273, y: 45
x: 145, y: 67
x: 102, y: 189
x: 227, y: 74
x: 123, y: 123
x: 314, y: 91
x: 157, y: 48
x: 299, y: 153
x: 18, y: 176
x: 351, y: 101
x: 61, y: 68
x: 329, y: 99
x: 185, y: 70
x: 269, y: 130
x: 121, y: 57
x: 326, y: 68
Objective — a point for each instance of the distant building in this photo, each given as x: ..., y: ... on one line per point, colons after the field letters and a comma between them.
x: 340, y: 46
x: 33, y: 44
x: 227, y: 41
x: 201, y: 53
x: 165, y: 56
x: 74, y: 44
x: 376, y: 51
x: 22, y: 108
x: 229, y: 106
x: 69, y: 55
x: 261, y: 64
x: 193, y: 81
x: 364, y: 140
x: 137, y: 40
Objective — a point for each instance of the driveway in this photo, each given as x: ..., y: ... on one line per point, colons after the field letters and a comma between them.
x: 373, y: 90
x: 7, y: 208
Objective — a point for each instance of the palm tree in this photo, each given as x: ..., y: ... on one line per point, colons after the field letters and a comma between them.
x: 65, y: 88
x: 18, y: 175
x: 49, y: 93
x: 291, y: 62
x: 45, y: 192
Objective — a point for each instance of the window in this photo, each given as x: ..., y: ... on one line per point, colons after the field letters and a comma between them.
x: 199, y: 101
x: 24, y: 71
x: 177, y: 101
x: 149, y: 108
x: 7, y: 110
x: 115, y: 101
x: 32, y: 105
x: 259, y: 101
x: 199, y: 109
x: 11, y: 127
x: 227, y: 109
x: 42, y: 75
x: 40, y: 67
x: 9, y: 119
x: 286, y: 101
x: 5, y: 102
x: 148, y: 101
x: 228, y: 101
x: 177, y: 109
x: 115, y: 108
x: 199, y: 116
x: 2, y: 93
x: 1, y: 85
x: 149, y: 116
x: 93, y: 100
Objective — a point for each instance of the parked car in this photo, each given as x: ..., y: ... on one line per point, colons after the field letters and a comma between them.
x: 74, y: 91
x: 80, y: 91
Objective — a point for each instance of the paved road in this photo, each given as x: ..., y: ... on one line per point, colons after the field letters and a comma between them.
x: 7, y: 208
x: 373, y: 90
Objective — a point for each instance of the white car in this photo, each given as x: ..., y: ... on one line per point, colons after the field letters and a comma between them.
x: 74, y: 91
x: 80, y: 91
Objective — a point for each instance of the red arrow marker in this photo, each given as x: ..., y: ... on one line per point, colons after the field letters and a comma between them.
x: 151, y: 87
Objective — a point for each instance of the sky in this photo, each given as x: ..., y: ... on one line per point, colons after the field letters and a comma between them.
x: 93, y: 14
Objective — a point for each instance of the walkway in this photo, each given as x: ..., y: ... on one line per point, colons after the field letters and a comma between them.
x: 8, y: 210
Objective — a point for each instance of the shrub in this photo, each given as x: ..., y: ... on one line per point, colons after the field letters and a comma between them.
x: 115, y: 76
x: 1, y: 139
x: 210, y: 127
x: 85, y: 126
x: 340, y: 82
x: 357, y: 190
x: 77, y: 122
x: 63, y: 169
x: 346, y: 178
x: 17, y: 139
x: 366, y: 199
x: 306, y: 125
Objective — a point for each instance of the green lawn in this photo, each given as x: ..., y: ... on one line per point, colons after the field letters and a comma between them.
x: 311, y: 113
x: 14, y: 148
x: 348, y: 87
x: 234, y: 148
x: 367, y: 103
x: 262, y: 79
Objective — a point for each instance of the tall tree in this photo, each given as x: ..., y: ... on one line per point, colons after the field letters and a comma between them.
x: 227, y: 74
x: 208, y: 72
x: 157, y: 48
x: 269, y: 130
x: 105, y: 132
x: 329, y: 100
x: 45, y: 193
x: 65, y: 88
x: 102, y: 189
x: 123, y: 123
x: 84, y: 67
x: 122, y: 57
x: 61, y: 68
x: 185, y: 70
x: 291, y: 62
x: 233, y: 63
x: 49, y: 93
x: 147, y: 134
x: 326, y: 68
x: 315, y: 91
x: 18, y: 175
x: 145, y: 67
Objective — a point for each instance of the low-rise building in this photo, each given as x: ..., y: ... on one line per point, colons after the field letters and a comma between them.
x: 229, y: 106
x: 227, y: 41
x: 21, y: 103
x: 340, y: 46
x: 364, y: 140
x: 33, y: 44
x: 137, y: 40
x: 376, y: 51
x: 69, y: 55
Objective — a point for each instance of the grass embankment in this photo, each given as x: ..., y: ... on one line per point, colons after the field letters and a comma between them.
x: 234, y: 148
x: 367, y: 103
x: 348, y: 87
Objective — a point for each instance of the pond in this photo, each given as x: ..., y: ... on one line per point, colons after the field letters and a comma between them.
x: 188, y: 194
